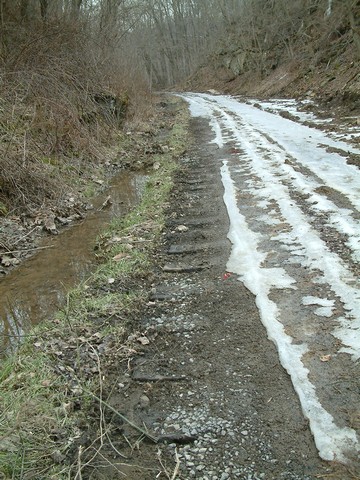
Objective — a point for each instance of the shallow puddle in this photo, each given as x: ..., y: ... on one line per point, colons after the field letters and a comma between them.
x: 37, y: 289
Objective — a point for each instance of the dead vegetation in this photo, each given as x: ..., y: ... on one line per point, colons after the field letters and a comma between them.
x: 309, y: 47
x: 60, y: 417
x: 64, y: 95
x: 55, y: 120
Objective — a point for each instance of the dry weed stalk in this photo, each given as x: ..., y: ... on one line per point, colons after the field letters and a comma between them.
x: 103, y: 438
x: 61, y: 107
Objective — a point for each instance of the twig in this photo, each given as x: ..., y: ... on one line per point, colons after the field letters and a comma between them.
x: 2, y: 245
x: 78, y: 475
x: 31, y: 249
x: 114, y: 448
x: 26, y: 235
x: 22, y: 461
x: 24, y: 150
x: 129, y: 422
x: 177, y: 467
x: 67, y: 310
x: 112, y: 464
x: 158, y: 378
x: 106, y: 203
x: 162, y: 465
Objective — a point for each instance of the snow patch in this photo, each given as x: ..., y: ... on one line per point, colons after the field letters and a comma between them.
x: 326, y: 306
x: 278, y: 157
x: 245, y: 260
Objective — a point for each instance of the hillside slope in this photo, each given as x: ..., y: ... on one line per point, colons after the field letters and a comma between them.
x: 290, y: 51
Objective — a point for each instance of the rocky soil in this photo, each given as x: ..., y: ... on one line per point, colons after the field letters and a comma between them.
x: 201, y: 393
x: 208, y: 385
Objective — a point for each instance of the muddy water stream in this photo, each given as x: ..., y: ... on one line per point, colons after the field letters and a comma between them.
x: 37, y: 288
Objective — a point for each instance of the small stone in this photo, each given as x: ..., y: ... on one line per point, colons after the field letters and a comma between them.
x: 144, y: 401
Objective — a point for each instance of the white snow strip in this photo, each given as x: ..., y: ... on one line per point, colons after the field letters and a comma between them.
x: 303, y: 143
x: 245, y: 261
x: 323, y: 302
x: 218, y: 140
x: 303, y: 239
x: 339, y: 218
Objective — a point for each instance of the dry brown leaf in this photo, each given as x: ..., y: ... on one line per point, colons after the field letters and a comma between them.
x: 325, y: 358
x: 120, y: 256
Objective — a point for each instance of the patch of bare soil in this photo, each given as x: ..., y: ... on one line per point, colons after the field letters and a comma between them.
x: 206, y: 388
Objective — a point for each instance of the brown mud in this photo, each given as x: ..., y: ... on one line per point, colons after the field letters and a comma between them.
x: 207, y: 377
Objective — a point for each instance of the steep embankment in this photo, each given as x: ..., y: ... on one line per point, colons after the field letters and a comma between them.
x: 310, y: 53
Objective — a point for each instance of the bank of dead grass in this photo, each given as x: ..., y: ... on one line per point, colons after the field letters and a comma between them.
x: 63, y: 99
x: 53, y: 425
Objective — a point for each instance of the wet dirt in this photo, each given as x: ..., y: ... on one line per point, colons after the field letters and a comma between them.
x: 37, y: 288
x: 205, y: 376
x: 209, y: 377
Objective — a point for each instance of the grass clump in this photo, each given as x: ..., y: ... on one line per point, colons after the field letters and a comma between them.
x: 52, y: 423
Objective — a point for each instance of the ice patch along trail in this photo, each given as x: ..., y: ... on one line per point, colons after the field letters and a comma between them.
x: 294, y: 228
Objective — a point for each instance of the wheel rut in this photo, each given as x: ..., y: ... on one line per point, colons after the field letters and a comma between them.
x: 233, y: 399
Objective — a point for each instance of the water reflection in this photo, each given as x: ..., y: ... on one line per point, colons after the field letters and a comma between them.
x: 37, y: 288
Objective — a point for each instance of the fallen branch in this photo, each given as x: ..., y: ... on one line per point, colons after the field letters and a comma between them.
x: 30, y: 249
x: 158, y: 378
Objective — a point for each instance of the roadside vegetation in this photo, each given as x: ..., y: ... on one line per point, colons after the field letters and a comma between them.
x: 77, y: 80
x: 67, y: 92
x: 54, y: 416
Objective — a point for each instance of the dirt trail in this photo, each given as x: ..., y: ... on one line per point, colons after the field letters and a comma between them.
x: 209, y: 375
